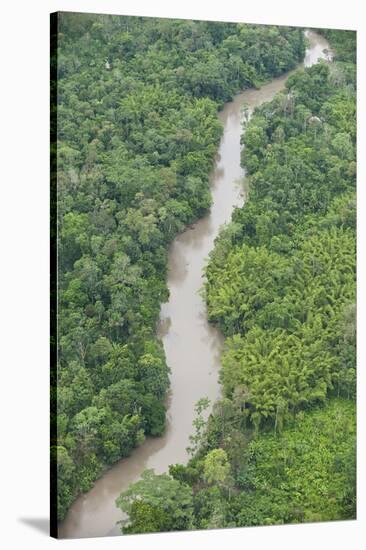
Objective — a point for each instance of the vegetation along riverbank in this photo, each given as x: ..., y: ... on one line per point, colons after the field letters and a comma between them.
x: 137, y: 132
x: 280, y: 444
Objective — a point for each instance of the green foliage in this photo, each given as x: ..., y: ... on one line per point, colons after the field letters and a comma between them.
x: 216, y: 467
x: 184, y: 474
x: 147, y: 518
x: 167, y: 503
x: 279, y: 447
x: 281, y: 286
x: 305, y: 474
x: 343, y: 43
x: 291, y: 320
x: 136, y: 137
x: 199, y: 425
x: 65, y: 473
x: 282, y: 278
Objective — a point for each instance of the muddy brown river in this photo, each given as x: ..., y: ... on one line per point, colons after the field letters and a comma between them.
x: 192, y: 346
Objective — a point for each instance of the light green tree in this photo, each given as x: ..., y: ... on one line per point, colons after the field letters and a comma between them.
x: 216, y: 467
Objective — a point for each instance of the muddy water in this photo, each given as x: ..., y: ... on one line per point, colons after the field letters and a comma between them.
x: 191, y: 345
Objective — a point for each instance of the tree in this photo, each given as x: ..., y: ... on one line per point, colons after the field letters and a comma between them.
x: 169, y: 502
x: 146, y: 518
x: 342, y: 145
x: 65, y: 478
x: 199, y: 424
x: 216, y: 467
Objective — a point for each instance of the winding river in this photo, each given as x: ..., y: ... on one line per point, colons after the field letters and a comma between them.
x: 191, y: 345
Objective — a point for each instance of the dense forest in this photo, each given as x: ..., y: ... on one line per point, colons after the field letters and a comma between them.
x: 279, y: 446
x: 137, y: 131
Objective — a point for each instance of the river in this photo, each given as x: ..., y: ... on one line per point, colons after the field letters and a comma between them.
x: 192, y: 346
